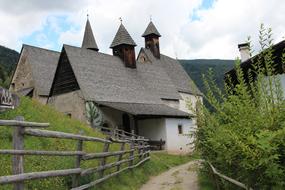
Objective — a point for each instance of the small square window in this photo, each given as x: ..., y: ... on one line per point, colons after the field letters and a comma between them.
x: 180, y: 129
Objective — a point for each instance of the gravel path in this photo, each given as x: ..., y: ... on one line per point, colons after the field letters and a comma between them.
x: 183, y: 177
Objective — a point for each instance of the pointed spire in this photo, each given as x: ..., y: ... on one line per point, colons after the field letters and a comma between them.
x: 151, y: 29
x: 122, y: 37
x: 88, y: 39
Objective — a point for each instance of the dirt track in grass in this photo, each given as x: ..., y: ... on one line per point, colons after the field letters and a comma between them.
x: 183, y: 177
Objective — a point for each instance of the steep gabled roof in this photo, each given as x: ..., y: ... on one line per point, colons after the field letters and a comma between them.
x: 89, y: 41
x: 122, y: 37
x: 151, y: 29
x: 175, y: 71
x: 104, y: 77
x: 43, y: 65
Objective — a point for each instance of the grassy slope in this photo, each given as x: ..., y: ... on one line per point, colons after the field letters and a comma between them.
x: 33, y: 111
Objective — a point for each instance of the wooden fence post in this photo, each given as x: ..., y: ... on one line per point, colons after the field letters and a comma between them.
x: 103, y: 160
x: 18, y: 160
x: 132, y: 146
x: 76, y: 177
x: 120, y: 156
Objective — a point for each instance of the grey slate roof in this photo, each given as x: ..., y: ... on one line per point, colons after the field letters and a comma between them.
x: 175, y: 71
x: 43, y: 65
x: 122, y: 37
x: 145, y: 109
x: 151, y: 29
x: 104, y: 77
x: 89, y: 41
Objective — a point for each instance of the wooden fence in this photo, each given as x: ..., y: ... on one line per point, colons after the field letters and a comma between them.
x: 222, y: 176
x: 137, y: 152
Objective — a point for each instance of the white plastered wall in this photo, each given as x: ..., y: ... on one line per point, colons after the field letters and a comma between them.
x: 167, y: 130
x: 179, y: 143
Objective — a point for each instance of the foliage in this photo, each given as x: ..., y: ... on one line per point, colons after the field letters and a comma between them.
x: 244, y: 138
x: 8, y: 60
x: 94, y: 114
x: 197, y: 67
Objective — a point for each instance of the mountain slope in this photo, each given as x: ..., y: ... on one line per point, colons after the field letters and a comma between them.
x: 197, y: 67
x: 8, y: 61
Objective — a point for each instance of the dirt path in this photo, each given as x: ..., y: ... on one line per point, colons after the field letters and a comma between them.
x: 183, y: 177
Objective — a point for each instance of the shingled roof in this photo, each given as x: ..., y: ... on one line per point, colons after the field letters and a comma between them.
x: 104, y: 77
x: 151, y: 29
x: 89, y: 41
x: 43, y: 66
x: 145, y: 109
x: 175, y: 71
x: 122, y: 37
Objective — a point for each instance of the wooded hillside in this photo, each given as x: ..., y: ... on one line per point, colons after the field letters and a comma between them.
x: 8, y: 61
x: 197, y: 67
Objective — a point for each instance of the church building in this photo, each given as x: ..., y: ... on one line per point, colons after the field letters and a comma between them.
x: 147, y: 94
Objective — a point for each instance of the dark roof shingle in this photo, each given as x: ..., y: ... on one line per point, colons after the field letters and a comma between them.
x: 175, y: 71
x: 145, y: 109
x: 151, y: 29
x: 89, y: 41
x: 43, y: 65
x: 122, y: 37
x: 104, y: 77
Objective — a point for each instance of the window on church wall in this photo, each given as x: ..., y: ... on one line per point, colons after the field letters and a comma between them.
x: 180, y: 129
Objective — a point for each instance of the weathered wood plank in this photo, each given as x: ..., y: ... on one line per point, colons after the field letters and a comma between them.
x: 18, y: 160
x: 104, y: 154
x: 104, y: 159
x: 107, y: 166
x: 15, y: 123
x: 42, y: 152
x: 118, y: 140
x: 120, y: 156
x: 37, y: 175
x: 62, y: 135
x: 86, y: 186
x: 76, y: 177
x: 132, y: 145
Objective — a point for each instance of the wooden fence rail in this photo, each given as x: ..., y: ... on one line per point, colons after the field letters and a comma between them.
x: 133, y: 155
x: 233, y: 181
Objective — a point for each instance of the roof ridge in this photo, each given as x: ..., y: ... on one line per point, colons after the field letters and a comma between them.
x: 40, y: 48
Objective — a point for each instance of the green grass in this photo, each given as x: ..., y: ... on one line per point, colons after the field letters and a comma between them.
x: 34, y: 111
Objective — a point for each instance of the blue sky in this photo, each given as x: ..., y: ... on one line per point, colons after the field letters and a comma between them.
x: 48, y: 35
x: 190, y: 28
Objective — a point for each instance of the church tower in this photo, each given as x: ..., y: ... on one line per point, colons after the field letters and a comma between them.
x: 124, y: 47
x: 151, y: 36
x: 88, y: 39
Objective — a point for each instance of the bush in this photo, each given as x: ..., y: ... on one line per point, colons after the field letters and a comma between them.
x: 244, y: 137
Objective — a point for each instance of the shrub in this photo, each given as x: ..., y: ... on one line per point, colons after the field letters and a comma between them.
x: 244, y: 137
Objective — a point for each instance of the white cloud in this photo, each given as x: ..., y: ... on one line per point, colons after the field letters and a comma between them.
x: 215, y: 35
